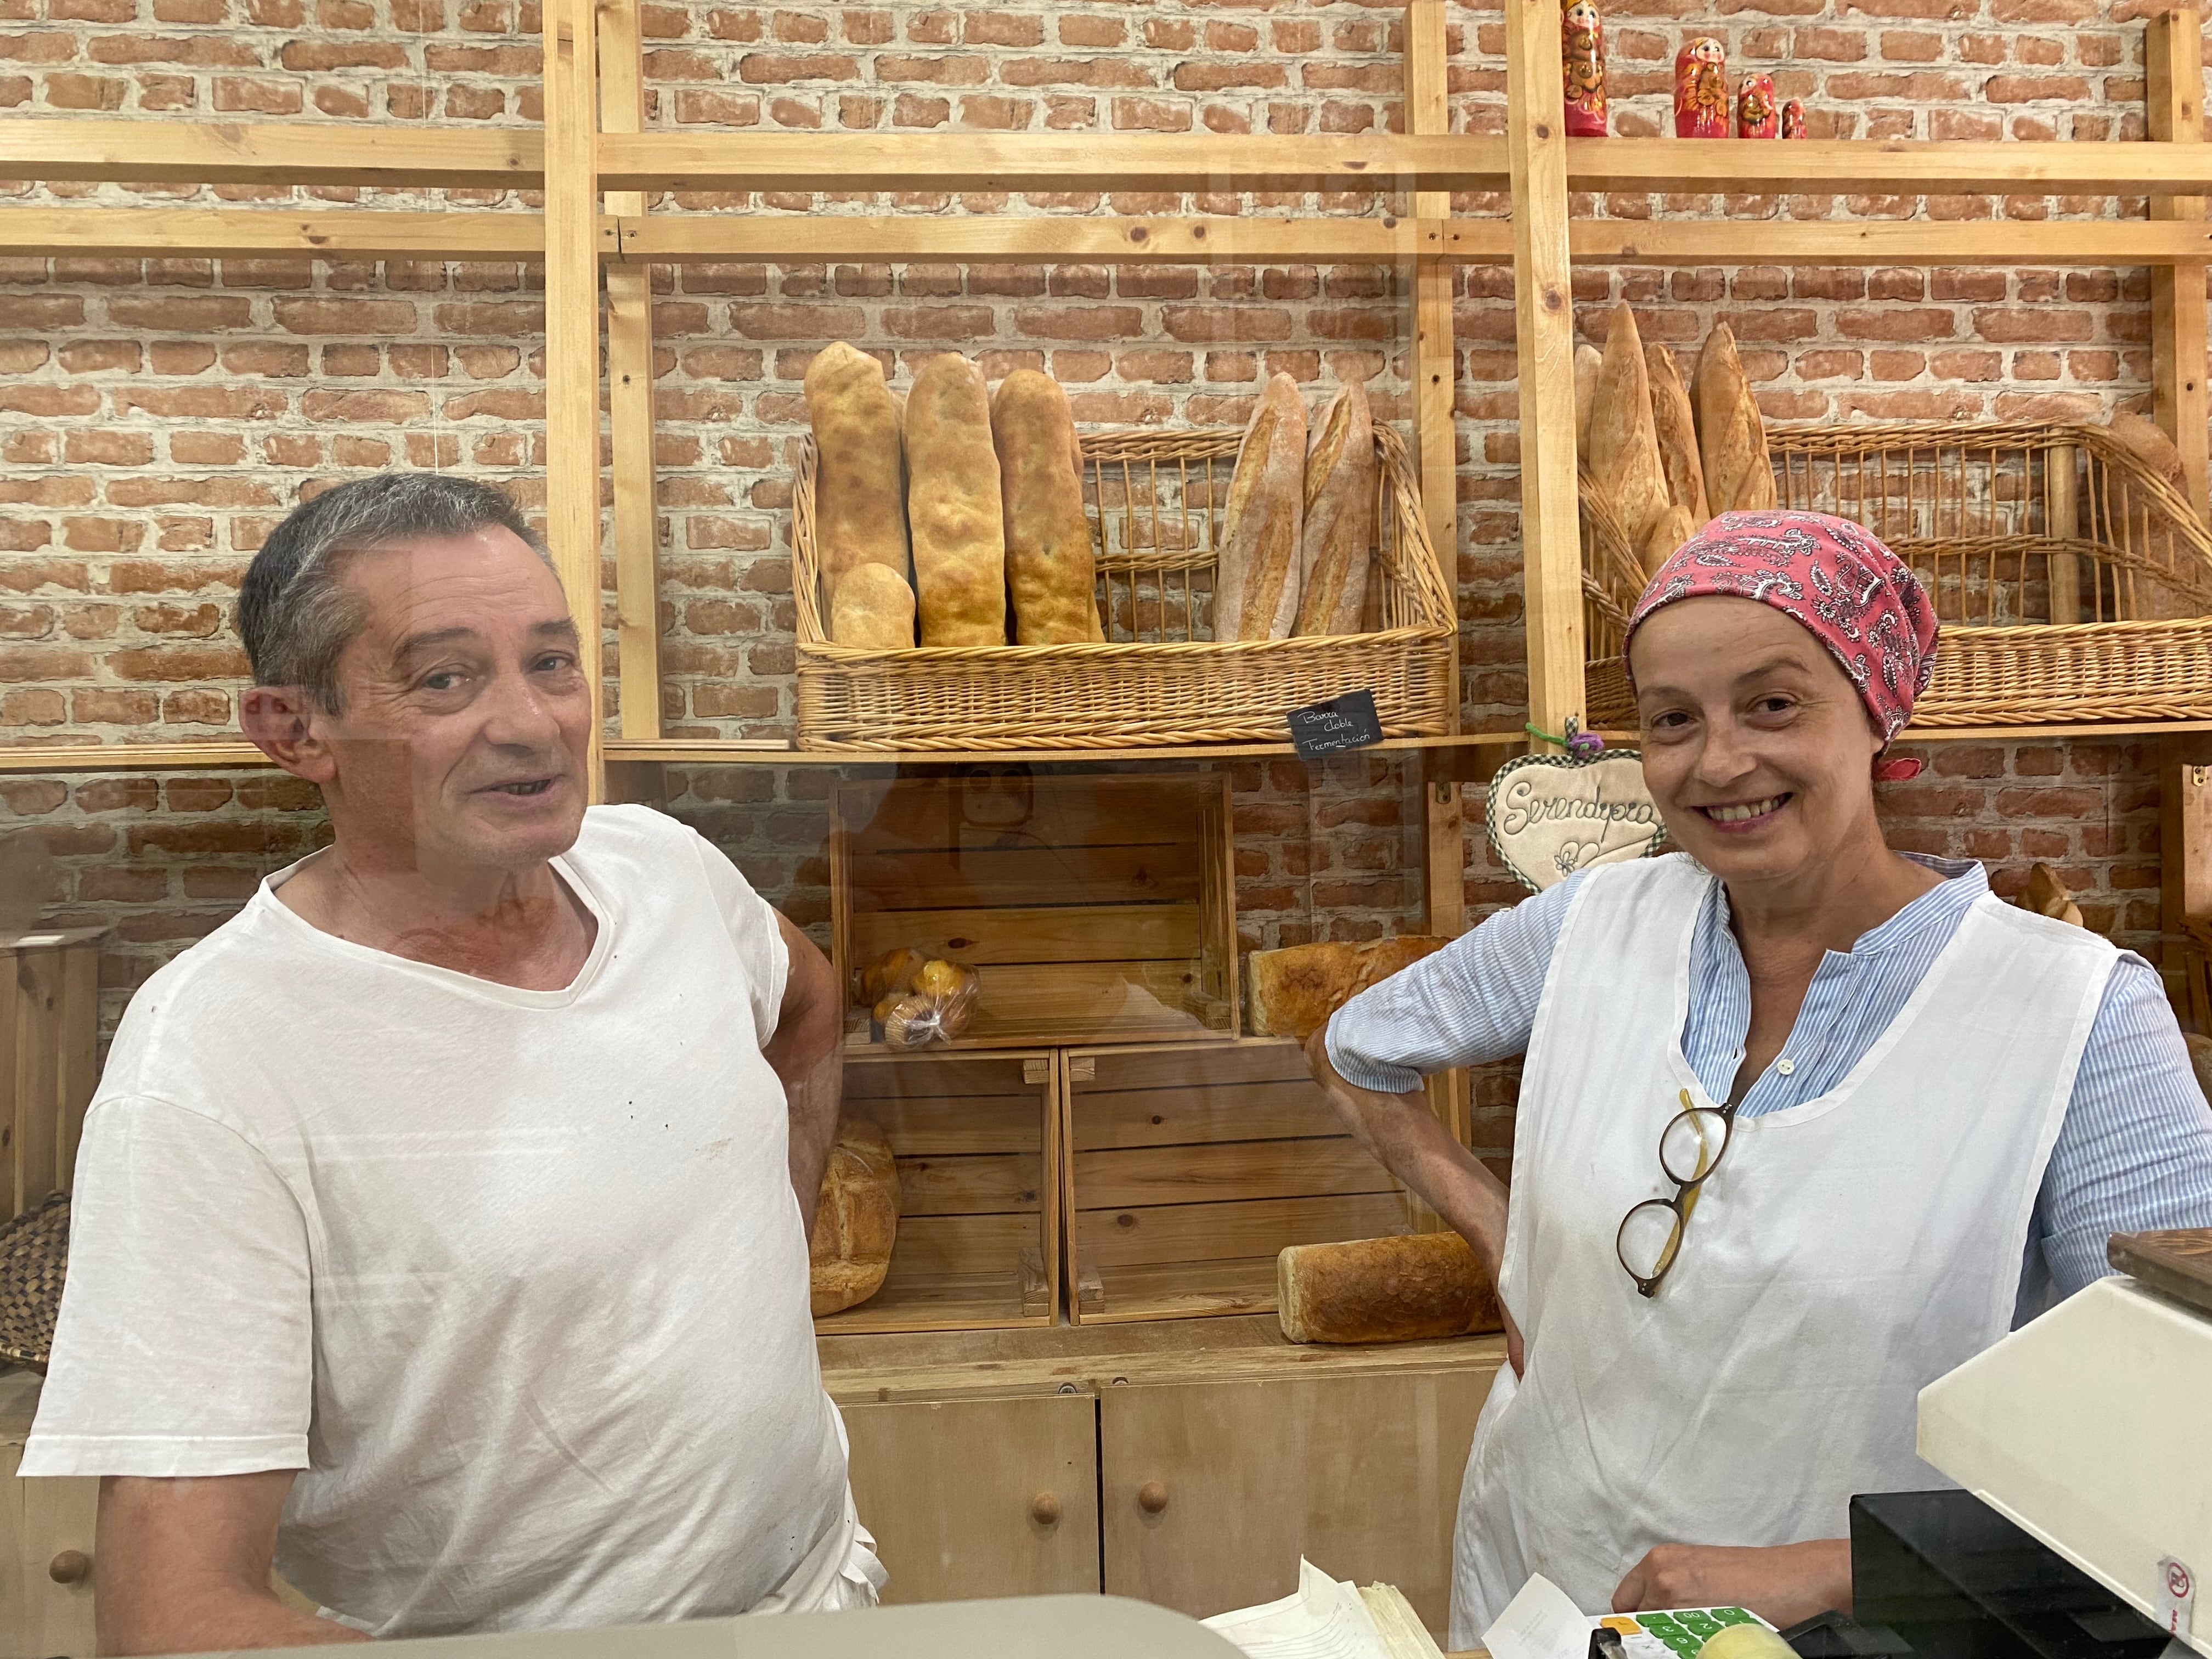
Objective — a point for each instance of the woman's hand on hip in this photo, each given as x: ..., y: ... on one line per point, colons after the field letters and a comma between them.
x: 1784, y: 1585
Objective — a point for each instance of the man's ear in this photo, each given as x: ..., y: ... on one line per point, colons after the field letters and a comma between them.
x: 279, y: 721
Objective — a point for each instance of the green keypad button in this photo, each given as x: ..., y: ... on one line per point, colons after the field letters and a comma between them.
x: 1702, y: 1624
x: 1733, y: 1616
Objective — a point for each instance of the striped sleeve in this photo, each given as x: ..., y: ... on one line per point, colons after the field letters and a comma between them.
x: 1473, y: 1001
x: 2134, y: 1151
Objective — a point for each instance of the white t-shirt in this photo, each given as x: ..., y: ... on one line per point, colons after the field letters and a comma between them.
x: 515, y: 1279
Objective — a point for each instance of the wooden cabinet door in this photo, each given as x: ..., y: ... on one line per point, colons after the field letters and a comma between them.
x: 1213, y: 1490
x: 39, y: 1521
x: 969, y: 1498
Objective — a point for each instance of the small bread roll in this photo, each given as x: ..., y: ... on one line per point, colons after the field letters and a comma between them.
x: 872, y: 608
x: 1623, y: 447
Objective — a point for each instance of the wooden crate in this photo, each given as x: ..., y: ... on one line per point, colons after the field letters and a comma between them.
x: 1095, y: 909
x: 1189, y: 1168
x: 977, y: 1140
x: 49, y: 1059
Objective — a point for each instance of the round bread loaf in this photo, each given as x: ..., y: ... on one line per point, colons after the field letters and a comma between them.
x: 856, y: 1220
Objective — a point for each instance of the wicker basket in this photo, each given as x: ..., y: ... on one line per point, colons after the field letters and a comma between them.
x: 1157, y: 500
x: 2074, y: 584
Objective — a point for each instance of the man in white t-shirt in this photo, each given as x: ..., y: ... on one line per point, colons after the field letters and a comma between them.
x: 440, y: 1231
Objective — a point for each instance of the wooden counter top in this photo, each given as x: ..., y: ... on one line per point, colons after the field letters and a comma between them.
x: 965, y: 1363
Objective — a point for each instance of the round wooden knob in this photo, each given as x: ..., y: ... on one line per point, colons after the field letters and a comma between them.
x: 69, y: 1567
x: 1044, y: 1510
x: 1151, y: 1497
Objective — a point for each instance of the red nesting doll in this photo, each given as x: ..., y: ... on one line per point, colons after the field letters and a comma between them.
x: 1793, y: 119
x: 1755, y: 114
x: 1582, y: 56
x: 1701, y: 99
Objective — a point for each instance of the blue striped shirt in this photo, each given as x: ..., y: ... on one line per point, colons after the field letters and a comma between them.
x: 2135, y: 1151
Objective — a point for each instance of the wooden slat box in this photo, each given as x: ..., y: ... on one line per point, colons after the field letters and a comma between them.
x: 977, y: 1141
x: 49, y: 1058
x: 1095, y: 909
x: 1189, y: 1169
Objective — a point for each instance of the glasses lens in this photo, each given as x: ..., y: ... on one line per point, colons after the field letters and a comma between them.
x: 1649, y: 1236
x: 1692, y: 1143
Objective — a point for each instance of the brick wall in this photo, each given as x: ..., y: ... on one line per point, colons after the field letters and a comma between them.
x: 157, y: 417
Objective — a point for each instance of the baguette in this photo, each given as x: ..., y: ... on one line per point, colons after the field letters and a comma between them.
x: 859, y: 511
x: 1672, y: 529
x: 1292, y: 992
x: 1731, y: 435
x: 1338, y: 516
x: 954, y: 507
x: 1051, y: 572
x: 1677, y: 431
x: 1624, y: 445
x: 1586, y: 361
x: 1256, y: 576
x: 1418, y: 1286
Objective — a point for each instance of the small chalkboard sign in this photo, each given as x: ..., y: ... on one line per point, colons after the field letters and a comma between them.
x: 1329, y: 729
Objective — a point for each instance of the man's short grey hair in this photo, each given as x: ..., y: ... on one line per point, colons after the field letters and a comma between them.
x: 297, y: 617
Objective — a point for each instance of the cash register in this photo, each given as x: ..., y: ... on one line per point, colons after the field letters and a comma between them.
x: 2082, y: 1448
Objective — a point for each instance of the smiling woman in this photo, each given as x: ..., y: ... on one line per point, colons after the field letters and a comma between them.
x: 1934, y: 1108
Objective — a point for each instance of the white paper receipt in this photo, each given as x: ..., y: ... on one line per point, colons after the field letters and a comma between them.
x: 1540, y: 1623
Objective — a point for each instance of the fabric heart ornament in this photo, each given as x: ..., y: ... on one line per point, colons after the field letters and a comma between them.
x: 1549, y: 816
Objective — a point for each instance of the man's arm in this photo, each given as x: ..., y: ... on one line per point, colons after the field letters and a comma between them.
x: 1412, y: 1142
x: 807, y: 1053
x: 184, y: 1564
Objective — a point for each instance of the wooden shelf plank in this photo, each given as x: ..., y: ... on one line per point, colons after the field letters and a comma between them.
x: 129, y: 756
x: 866, y: 162
x: 1884, y: 167
x: 270, y: 153
x: 676, y: 238
x: 715, y: 752
x: 1860, y: 242
x: 261, y: 233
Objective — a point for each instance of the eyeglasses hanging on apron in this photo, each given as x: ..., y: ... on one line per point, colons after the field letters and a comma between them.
x: 1690, y: 1149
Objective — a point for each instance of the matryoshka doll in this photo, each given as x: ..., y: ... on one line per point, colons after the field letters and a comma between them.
x: 1701, y: 98
x: 1793, y: 119
x: 1755, y: 114
x: 1582, y: 54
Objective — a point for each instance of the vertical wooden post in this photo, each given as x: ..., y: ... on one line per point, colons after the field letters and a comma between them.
x: 2173, y: 61
x: 572, y: 333
x: 1543, y: 307
x: 629, y: 396
x: 2061, y: 507
x: 1435, y: 356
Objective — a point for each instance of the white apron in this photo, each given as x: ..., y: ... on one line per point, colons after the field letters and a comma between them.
x: 1848, y: 1251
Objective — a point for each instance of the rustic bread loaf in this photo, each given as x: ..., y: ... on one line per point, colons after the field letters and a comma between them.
x: 1049, y: 568
x: 1623, y: 447
x: 1587, y: 363
x: 1423, y: 1285
x: 860, y: 502
x: 1338, y: 532
x: 1256, y: 580
x: 872, y: 608
x: 1677, y: 431
x: 2147, y: 442
x: 855, y: 1221
x: 1292, y: 992
x: 1731, y: 435
x: 953, y: 505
